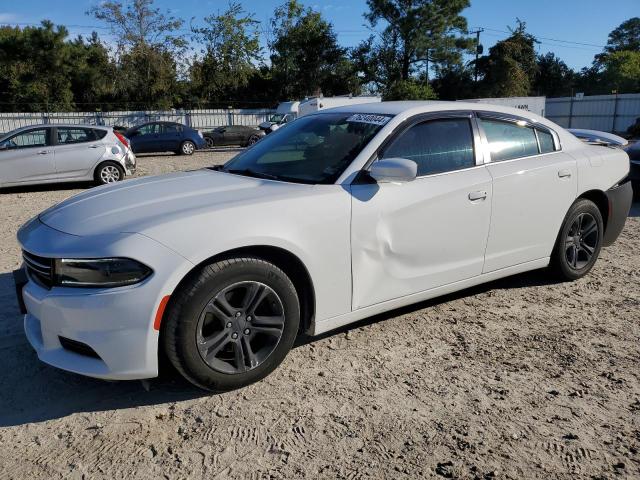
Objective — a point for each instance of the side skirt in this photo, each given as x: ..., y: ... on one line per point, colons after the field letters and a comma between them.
x: 342, y: 320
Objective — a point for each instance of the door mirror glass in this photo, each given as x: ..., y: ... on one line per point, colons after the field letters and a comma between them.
x: 394, y: 170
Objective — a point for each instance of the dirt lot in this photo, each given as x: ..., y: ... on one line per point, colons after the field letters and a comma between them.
x: 521, y: 378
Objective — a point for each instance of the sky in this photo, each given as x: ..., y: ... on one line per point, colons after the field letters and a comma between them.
x: 575, y: 30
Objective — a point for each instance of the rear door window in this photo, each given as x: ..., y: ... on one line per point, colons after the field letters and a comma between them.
x: 75, y: 135
x: 437, y: 146
x: 547, y: 144
x: 509, y: 140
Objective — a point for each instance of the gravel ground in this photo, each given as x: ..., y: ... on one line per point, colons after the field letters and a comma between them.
x: 520, y: 378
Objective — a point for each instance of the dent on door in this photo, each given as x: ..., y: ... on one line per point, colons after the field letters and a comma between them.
x: 412, y: 237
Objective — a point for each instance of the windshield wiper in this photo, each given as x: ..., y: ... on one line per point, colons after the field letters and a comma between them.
x: 248, y: 172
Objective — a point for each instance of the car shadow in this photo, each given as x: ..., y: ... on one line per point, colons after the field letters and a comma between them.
x: 635, y: 209
x: 35, y: 392
x: 48, y: 187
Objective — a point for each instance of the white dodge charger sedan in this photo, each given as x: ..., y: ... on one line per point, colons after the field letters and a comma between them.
x: 338, y: 216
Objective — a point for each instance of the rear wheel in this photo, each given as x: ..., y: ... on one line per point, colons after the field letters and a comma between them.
x: 579, y: 242
x: 210, y: 142
x: 108, y: 172
x: 232, y: 323
x: 187, y: 147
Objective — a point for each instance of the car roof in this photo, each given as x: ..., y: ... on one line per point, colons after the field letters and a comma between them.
x: 50, y: 125
x: 428, y: 106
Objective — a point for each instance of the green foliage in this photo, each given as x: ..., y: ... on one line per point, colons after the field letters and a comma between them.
x: 231, y: 51
x: 510, y: 68
x: 621, y: 71
x: 553, y: 77
x: 305, y: 56
x: 417, y: 30
x: 410, y: 90
x: 625, y: 37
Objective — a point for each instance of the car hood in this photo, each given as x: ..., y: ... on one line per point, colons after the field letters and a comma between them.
x: 137, y: 206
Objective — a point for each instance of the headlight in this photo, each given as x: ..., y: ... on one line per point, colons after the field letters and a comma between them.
x: 99, y: 272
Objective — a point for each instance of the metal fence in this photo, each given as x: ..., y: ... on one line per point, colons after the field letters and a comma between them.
x: 608, y: 113
x: 196, y: 118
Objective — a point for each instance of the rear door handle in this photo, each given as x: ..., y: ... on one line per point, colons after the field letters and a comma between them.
x: 564, y: 174
x: 475, y: 196
x: 43, y: 152
x: 94, y: 146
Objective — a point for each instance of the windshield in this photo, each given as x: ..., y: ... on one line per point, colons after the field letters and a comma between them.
x: 313, y: 149
x: 277, y: 118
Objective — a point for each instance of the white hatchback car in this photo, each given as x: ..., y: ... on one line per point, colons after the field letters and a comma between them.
x: 64, y: 153
x: 341, y: 215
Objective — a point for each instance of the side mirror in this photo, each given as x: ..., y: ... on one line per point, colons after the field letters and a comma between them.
x: 397, y: 170
x: 4, y: 146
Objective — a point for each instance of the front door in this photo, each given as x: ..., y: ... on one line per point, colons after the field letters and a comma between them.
x: 411, y: 237
x: 27, y: 157
x: 146, y: 138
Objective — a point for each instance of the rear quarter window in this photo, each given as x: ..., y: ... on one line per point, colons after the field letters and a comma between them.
x: 100, y: 134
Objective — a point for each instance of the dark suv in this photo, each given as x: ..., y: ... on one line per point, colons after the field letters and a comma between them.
x: 165, y: 137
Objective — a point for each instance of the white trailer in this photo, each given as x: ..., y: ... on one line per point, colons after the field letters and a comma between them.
x: 320, y: 103
x: 530, y: 104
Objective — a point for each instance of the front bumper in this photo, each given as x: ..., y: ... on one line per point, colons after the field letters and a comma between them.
x: 620, y: 198
x: 116, y: 323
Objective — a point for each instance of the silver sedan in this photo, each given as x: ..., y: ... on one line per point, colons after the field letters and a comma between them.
x: 64, y: 153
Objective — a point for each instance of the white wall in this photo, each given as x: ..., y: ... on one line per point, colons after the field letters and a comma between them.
x: 608, y: 113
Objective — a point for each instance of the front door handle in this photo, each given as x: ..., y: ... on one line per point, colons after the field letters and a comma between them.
x: 564, y: 174
x: 43, y: 152
x: 475, y: 196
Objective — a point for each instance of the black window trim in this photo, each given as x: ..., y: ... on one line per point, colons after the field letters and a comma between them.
x: 363, y: 176
x: 48, y: 137
x: 509, y: 118
x: 54, y: 134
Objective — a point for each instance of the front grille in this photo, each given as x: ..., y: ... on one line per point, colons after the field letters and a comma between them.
x: 78, y: 347
x: 40, y: 269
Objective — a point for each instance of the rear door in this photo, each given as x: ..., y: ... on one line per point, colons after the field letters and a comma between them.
x: 534, y: 184
x: 77, y: 150
x: 412, y: 237
x: 27, y: 157
x: 171, y: 136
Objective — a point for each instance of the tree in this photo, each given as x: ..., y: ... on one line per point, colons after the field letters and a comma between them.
x: 35, y: 68
x: 410, y: 90
x: 510, y: 68
x: 553, y: 77
x: 421, y: 30
x: 305, y: 56
x: 231, y: 52
x: 625, y: 37
x: 454, y: 83
x: 149, y: 49
x: 621, y: 71
x: 92, y: 74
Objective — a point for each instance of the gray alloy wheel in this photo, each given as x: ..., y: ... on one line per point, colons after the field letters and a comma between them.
x: 188, y: 147
x: 240, y: 327
x: 109, y: 173
x: 581, y: 241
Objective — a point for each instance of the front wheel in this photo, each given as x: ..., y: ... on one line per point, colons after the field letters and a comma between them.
x: 231, y: 324
x: 187, y: 147
x: 579, y: 242
x: 253, y: 139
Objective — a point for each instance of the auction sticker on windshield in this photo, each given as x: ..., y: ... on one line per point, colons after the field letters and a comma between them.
x: 368, y: 118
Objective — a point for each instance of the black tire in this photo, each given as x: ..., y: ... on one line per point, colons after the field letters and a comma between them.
x: 574, y: 255
x: 252, y: 139
x: 210, y: 142
x: 108, y: 172
x: 190, y: 308
x: 187, y: 147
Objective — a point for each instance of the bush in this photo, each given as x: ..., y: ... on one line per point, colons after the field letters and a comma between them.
x: 410, y: 90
